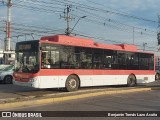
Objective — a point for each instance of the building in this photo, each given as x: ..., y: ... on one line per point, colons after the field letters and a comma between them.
x: 10, y: 59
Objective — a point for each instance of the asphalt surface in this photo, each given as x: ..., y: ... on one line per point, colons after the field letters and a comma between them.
x: 142, y: 101
x: 14, y: 91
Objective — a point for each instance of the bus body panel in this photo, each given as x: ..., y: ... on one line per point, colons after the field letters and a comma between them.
x: 57, y: 78
x: 97, y: 80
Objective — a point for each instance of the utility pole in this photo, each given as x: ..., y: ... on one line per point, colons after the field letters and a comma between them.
x: 67, y: 17
x: 8, y: 31
x: 8, y: 28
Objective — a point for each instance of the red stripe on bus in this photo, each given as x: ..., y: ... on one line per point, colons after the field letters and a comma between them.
x: 62, y: 72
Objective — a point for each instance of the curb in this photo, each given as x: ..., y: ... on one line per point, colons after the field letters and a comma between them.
x: 155, y: 88
x: 44, y: 101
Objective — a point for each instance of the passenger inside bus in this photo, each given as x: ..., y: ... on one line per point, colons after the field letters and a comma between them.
x: 46, y: 61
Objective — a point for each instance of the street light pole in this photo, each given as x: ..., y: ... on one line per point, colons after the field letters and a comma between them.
x: 77, y: 23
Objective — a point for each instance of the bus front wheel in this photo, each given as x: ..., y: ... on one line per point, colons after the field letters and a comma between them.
x: 72, y: 83
x: 131, y: 81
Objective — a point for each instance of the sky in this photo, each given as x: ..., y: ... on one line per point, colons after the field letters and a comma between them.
x: 106, y: 21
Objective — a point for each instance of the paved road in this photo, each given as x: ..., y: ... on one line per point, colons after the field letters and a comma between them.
x: 142, y: 101
x: 13, y: 91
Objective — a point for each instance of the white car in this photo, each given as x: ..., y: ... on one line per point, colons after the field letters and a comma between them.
x: 2, y: 66
x: 6, y: 74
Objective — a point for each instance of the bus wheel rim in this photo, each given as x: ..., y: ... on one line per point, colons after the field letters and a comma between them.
x: 72, y: 83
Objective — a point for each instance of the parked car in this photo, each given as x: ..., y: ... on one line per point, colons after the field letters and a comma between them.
x: 6, y: 74
x: 2, y: 66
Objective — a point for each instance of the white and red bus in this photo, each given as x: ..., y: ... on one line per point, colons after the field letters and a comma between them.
x: 69, y: 62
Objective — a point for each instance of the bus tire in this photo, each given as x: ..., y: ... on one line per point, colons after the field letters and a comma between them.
x: 157, y: 76
x: 8, y: 79
x: 131, y: 81
x: 72, y: 83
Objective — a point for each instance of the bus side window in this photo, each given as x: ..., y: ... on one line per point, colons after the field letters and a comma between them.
x: 107, y: 61
x: 54, y: 59
x: 122, y: 60
x: 83, y: 58
x: 98, y: 59
x: 45, y: 59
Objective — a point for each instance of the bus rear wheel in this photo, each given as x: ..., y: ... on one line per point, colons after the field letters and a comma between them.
x: 72, y: 83
x: 131, y: 81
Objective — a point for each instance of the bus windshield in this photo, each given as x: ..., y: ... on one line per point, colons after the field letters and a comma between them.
x: 26, y: 58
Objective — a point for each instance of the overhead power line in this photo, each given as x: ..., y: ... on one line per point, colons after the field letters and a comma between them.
x: 36, y: 8
x: 89, y: 7
x: 108, y: 20
x: 111, y: 20
x: 107, y: 11
x: 93, y: 16
x: 104, y: 39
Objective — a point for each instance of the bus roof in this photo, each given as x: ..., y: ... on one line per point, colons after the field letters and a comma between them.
x: 75, y: 41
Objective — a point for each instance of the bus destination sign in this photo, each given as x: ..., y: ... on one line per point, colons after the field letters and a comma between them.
x: 24, y: 47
